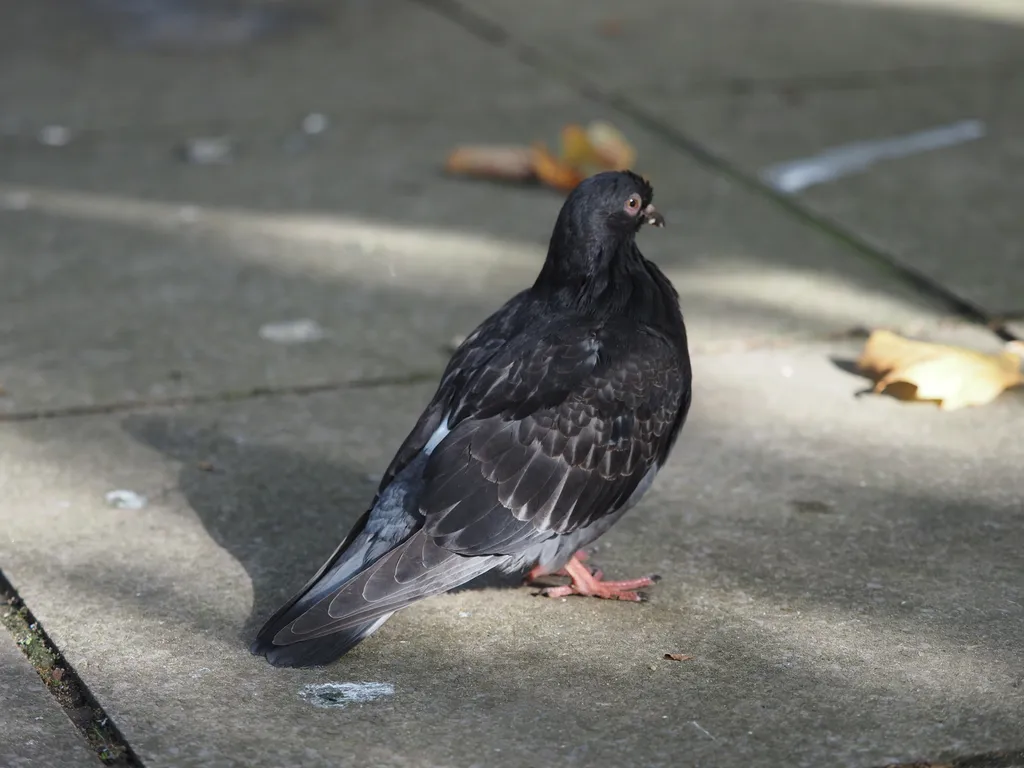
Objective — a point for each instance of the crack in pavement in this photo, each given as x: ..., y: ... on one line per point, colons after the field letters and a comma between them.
x: 104, y: 738
x: 493, y: 33
x: 230, y: 396
x: 424, y: 376
x: 850, y: 81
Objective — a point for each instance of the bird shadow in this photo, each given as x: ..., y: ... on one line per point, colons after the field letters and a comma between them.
x: 278, y: 511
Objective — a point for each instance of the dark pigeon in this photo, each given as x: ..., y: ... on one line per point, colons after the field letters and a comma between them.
x: 550, y: 422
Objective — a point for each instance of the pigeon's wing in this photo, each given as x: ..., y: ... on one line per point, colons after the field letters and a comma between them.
x: 472, y: 355
x: 548, y: 433
x: 548, y: 439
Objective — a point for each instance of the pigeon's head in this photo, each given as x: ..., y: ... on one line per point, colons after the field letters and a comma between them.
x: 613, y: 203
x: 596, y: 228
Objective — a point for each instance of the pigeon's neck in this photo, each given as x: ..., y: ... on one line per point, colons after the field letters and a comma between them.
x: 624, y: 284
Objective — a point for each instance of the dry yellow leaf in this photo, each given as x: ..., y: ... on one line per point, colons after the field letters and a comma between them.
x: 610, y: 147
x: 577, y: 150
x: 552, y: 171
x: 954, y: 376
x: 583, y: 152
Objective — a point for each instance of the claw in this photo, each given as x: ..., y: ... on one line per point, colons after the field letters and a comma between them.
x: 590, y: 584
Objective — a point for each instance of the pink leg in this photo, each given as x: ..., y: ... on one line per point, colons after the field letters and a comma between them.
x: 537, y: 571
x: 589, y: 584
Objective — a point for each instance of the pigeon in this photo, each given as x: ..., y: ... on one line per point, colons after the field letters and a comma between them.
x: 550, y: 421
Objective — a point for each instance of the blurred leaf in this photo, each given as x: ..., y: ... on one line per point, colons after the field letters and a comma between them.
x: 501, y: 162
x: 552, y: 171
x: 582, y: 153
x: 954, y: 376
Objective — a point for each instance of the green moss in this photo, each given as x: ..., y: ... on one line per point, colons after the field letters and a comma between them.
x: 81, y: 709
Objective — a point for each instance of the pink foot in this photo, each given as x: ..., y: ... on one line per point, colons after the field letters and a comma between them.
x: 537, y: 571
x: 590, y: 585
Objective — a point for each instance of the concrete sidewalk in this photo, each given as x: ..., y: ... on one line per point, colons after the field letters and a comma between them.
x: 846, y: 572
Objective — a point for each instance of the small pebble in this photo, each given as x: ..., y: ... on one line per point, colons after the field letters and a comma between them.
x: 314, y: 123
x: 124, y: 499
x: 55, y: 135
x: 208, y: 150
x: 293, y: 331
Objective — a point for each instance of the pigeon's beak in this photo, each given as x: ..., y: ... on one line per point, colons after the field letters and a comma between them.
x: 652, y: 217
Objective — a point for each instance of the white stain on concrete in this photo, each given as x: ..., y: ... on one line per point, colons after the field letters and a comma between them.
x: 796, y: 175
x: 125, y: 499
x: 339, y: 695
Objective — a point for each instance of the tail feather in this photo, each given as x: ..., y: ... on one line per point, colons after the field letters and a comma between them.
x: 321, y: 651
x: 338, y: 568
x: 344, y: 604
x: 376, y: 590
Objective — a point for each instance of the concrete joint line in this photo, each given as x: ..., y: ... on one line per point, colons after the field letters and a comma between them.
x: 496, y: 35
x: 255, y: 393
x: 63, y: 682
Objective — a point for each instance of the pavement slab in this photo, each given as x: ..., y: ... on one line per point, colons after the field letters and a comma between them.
x: 34, y: 731
x: 956, y: 221
x: 760, y: 86
x: 134, y: 276
x: 846, y: 573
x: 692, y: 48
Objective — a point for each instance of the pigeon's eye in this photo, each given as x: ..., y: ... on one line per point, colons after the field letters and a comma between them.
x: 633, y: 204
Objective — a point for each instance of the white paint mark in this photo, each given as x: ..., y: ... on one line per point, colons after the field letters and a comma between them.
x: 697, y: 725
x: 293, y: 331
x: 338, y: 695
x: 796, y: 175
x: 435, y: 439
x: 125, y: 499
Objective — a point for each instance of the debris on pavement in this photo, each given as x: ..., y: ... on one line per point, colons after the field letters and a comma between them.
x: 207, y: 150
x: 954, y: 376
x: 205, y: 466
x: 293, y: 331
x: 583, y: 152
x: 509, y: 163
x: 338, y: 695
x: 55, y: 135
x: 796, y: 175
x: 125, y: 499
x: 678, y: 657
x: 314, y: 123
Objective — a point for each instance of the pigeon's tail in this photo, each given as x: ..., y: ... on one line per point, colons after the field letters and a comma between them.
x: 319, y: 651
x: 348, y: 559
x: 344, y: 605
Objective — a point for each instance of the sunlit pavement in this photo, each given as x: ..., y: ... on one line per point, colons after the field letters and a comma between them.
x: 239, y: 347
